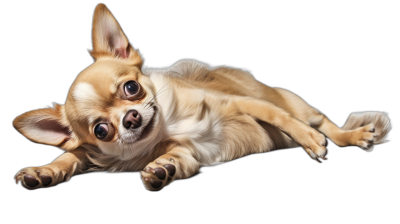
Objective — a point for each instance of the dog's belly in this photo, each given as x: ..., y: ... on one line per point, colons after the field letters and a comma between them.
x: 242, y: 135
x: 215, y: 139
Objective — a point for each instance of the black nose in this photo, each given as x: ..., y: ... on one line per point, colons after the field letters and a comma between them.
x: 132, y: 119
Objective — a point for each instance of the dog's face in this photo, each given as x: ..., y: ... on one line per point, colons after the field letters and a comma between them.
x: 111, y: 104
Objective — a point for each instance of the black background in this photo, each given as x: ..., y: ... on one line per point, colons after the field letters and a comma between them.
x: 339, y: 58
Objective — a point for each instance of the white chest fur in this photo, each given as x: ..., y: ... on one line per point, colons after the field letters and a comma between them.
x: 187, y: 116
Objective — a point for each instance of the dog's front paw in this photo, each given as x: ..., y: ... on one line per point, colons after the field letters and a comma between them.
x: 36, y: 177
x: 315, y: 145
x: 158, y: 174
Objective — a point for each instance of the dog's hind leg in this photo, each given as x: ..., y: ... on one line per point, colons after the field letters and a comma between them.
x: 363, y: 129
x: 310, y: 139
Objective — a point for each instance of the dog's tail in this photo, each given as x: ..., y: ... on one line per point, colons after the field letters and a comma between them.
x: 380, y: 120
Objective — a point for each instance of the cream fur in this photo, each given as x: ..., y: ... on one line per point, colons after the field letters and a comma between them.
x: 192, y: 116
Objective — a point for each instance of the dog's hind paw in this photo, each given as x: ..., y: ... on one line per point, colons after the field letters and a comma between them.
x: 365, y: 129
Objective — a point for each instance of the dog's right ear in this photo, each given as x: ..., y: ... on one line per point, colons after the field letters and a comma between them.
x: 47, y: 126
x: 109, y: 40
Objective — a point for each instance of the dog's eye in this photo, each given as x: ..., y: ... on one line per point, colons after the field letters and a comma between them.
x: 101, y: 131
x: 131, y: 88
x: 104, y: 131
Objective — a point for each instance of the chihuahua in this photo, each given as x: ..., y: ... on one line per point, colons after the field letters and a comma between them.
x: 168, y: 123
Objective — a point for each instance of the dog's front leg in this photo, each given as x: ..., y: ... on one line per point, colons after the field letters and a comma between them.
x: 313, y: 142
x: 60, y: 170
x: 177, y: 163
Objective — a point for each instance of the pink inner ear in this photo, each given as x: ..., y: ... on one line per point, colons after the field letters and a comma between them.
x: 51, y: 131
x: 118, y: 44
x: 121, y: 52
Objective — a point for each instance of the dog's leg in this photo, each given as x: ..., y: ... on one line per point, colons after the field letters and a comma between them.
x: 310, y: 139
x: 177, y: 163
x: 60, y: 170
x: 363, y: 129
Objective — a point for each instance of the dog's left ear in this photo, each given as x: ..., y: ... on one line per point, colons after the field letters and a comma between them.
x: 109, y: 39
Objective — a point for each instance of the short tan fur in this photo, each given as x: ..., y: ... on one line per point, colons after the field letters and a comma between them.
x: 168, y: 123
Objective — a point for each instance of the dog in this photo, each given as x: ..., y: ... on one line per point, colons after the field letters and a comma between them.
x: 168, y: 123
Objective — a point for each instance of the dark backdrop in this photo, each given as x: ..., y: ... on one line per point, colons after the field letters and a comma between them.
x: 339, y: 58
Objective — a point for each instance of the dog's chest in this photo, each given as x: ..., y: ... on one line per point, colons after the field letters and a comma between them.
x: 188, y: 117
x: 204, y: 135
x: 196, y: 122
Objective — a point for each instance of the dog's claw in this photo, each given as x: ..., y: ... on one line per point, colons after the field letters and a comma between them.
x: 17, y: 180
x: 325, y: 144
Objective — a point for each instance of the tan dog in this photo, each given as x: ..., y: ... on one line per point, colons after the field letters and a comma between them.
x: 169, y: 123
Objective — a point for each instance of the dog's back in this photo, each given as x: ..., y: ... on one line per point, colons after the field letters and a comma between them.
x: 236, y: 82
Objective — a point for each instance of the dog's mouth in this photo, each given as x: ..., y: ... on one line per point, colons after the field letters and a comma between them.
x: 149, y: 127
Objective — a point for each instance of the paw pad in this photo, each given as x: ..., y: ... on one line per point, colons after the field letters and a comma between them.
x: 170, y: 168
x: 30, y: 181
x: 160, y: 173
x: 155, y: 183
x: 36, y: 177
x: 46, y: 180
x: 156, y: 178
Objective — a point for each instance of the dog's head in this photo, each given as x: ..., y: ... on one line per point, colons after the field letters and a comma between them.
x: 110, y: 104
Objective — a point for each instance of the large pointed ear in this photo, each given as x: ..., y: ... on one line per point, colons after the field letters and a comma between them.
x: 109, y: 39
x: 46, y: 126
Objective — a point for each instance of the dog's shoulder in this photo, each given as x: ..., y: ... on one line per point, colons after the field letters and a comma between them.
x: 188, y: 68
x: 183, y: 70
x: 180, y: 69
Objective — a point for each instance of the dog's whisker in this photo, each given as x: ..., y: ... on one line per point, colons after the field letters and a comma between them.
x: 161, y: 92
x: 156, y: 94
x: 123, y: 152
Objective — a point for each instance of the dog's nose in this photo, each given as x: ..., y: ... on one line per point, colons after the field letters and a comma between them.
x: 132, y: 119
